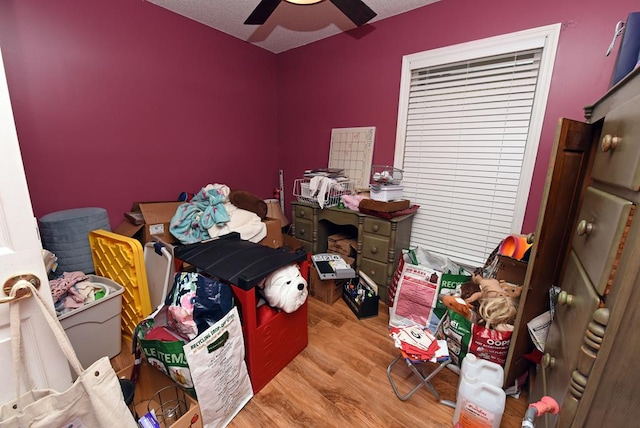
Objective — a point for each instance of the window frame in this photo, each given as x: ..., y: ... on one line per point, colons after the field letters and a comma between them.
x: 546, y: 37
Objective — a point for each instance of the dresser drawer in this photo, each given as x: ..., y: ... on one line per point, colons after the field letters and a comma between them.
x: 304, y: 229
x: 303, y: 212
x: 617, y: 160
x: 602, y: 223
x: 377, y: 226
x: 576, y: 304
x: 375, y: 247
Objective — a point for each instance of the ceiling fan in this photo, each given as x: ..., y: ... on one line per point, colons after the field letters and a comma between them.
x: 355, y: 10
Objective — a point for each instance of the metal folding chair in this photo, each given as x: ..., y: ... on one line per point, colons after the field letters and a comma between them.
x: 417, y: 367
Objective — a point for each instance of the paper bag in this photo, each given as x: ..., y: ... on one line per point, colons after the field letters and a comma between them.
x: 219, y: 372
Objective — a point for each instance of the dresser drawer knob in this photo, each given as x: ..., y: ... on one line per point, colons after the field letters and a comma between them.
x: 584, y: 228
x: 609, y: 143
x: 565, y: 299
x: 548, y: 361
x: 372, y: 272
x: 374, y: 250
x: 376, y: 228
x: 302, y: 213
x: 302, y: 231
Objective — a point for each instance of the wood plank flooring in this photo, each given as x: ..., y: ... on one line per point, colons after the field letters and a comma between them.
x: 340, y: 380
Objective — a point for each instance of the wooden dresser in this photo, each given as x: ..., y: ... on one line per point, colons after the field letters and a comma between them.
x: 594, y: 341
x: 379, y: 241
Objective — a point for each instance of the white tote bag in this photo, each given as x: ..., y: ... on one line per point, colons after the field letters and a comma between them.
x: 94, y: 400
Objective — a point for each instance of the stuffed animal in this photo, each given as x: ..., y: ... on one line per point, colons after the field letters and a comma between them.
x: 285, y: 288
x: 491, y: 287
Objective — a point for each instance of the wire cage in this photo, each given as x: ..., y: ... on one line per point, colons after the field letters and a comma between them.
x: 302, y: 190
x: 385, y: 174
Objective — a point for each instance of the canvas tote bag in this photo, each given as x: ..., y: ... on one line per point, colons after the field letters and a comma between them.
x: 94, y: 400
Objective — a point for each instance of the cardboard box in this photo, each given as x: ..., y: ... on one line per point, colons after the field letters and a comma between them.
x: 150, y: 381
x: 155, y: 216
x: 511, y: 270
x: 345, y: 247
x: 327, y: 291
x: 274, y: 238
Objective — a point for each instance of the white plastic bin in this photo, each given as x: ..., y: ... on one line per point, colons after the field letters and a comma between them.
x: 94, y: 329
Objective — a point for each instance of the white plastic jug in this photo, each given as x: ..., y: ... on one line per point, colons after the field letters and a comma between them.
x: 482, y: 370
x: 479, y: 404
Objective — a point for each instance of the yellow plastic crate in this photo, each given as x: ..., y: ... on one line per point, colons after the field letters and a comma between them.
x: 121, y: 259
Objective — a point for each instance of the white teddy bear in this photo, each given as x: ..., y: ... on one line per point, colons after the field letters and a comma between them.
x: 285, y: 288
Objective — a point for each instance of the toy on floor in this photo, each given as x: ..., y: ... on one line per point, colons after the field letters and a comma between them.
x: 285, y: 288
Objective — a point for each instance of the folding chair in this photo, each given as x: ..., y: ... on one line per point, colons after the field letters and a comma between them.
x: 417, y: 367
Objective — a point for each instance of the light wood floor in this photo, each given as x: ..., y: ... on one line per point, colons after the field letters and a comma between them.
x: 340, y: 380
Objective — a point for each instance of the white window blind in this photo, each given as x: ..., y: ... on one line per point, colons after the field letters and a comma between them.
x: 466, y: 141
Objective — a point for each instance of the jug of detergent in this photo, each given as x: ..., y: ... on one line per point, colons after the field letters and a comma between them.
x: 481, y: 399
x: 482, y: 370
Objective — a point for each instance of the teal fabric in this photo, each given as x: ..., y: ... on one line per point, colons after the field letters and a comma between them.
x: 192, y: 220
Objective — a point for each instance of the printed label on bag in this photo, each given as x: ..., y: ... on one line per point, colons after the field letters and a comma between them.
x: 76, y: 423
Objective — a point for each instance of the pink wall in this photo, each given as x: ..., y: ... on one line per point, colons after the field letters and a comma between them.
x: 118, y: 101
x: 353, y: 79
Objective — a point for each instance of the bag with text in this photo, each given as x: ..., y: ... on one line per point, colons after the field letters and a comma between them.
x: 465, y: 337
x: 418, y: 281
x: 163, y: 348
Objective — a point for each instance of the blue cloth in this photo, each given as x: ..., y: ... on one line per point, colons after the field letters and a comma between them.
x: 192, y: 220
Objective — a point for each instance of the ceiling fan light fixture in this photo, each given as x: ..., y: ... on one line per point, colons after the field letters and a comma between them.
x: 303, y: 1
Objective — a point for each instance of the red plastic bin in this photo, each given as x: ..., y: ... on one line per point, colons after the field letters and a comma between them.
x: 272, y: 343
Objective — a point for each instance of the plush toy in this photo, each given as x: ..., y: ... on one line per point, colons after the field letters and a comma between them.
x: 491, y: 287
x: 285, y: 288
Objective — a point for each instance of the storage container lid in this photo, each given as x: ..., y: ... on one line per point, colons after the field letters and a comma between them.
x: 121, y: 259
x: 236, y: 261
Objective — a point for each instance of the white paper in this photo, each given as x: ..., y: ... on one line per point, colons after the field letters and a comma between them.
x: 539, y: 328
x: 219, y: 372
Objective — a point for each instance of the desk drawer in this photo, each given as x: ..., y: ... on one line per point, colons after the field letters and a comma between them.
x: 304, y: 229
x: 375, y: 247
x: 602, y: 224
x: 303, y: 212
x: 375, y: 270
x: 617, y: 160
x: 377, y: 226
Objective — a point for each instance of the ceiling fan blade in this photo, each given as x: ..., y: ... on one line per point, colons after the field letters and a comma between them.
x: 262, y: 12
x: 356, y: 11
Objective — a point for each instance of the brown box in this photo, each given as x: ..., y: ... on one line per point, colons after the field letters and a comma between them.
x: 155, y: 216
x: 337, y: 237
x: 343, y: 247
x: 385, y: 207
x: 327, y: 291
x: 150, y: 381
x: 274, y: 238
x: 511, y: 270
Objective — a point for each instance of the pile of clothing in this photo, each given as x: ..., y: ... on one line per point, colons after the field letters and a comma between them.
x: 74, y: 290
x: 215, y: 211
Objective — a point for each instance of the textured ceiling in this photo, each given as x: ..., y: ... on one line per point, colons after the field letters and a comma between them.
x: 289, y: 26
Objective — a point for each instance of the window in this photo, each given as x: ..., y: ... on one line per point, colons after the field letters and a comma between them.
x: 469, y: 121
